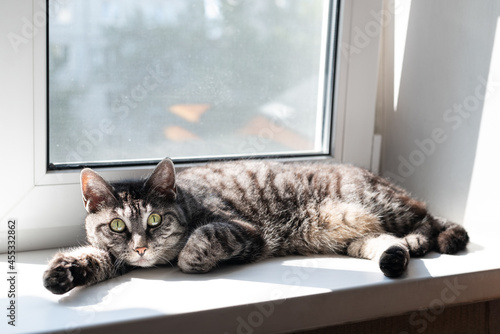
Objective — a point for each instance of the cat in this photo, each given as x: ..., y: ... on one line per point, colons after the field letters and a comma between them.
x: 245, y: 211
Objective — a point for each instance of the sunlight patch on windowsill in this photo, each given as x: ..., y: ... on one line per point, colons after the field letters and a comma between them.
x: 267, y: 290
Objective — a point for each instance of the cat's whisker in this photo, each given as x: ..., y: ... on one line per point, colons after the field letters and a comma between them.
x: 118, y: 265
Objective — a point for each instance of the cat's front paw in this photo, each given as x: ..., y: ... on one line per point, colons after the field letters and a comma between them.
x: 193, y: 260
x: 59, y: 278
x: 200, y: 254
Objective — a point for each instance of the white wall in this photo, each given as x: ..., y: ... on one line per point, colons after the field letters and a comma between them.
x: 440, y: 139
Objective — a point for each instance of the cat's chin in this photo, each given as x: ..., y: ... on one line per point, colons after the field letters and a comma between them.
x: 142, y: 262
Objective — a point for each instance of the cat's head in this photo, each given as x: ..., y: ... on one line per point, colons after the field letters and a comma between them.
x: 139, y: 222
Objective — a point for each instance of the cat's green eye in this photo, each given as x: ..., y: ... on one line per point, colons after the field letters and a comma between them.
x: 154, y: 220
x: 117, y: 225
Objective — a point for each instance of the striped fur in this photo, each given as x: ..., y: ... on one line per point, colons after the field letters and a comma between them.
x: 246, y: 211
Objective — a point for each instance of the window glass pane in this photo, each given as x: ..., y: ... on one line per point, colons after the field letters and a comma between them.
x: 140, y: 80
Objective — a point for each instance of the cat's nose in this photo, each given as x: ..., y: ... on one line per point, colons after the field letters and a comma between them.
x: 141, y: 250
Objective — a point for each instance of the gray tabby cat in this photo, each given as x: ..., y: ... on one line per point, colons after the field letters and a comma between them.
x: 240, y: 212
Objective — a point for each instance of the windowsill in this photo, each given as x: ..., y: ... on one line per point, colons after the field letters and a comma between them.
x: 277, y: 295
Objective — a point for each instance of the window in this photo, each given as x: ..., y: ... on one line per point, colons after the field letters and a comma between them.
x: 47, y: 201
x: 134, y: 81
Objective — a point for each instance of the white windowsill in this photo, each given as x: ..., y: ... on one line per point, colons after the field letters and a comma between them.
x: 277, y: 295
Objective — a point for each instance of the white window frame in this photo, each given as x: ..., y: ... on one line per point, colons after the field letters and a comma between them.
x: 47, y: 204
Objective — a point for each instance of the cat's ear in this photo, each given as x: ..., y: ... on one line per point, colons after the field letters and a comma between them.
x: 96, y: 192
x: 162, y: 181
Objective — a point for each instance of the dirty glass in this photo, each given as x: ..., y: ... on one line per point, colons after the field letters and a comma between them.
x: 132, y: 81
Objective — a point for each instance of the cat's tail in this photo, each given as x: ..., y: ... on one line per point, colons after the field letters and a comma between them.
x: 452, y: 238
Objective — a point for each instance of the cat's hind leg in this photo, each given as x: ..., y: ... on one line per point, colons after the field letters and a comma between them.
x: 390, y: 252
x: 220, y: 241
x: 438, y: 234
x: 452, y: 238
x: 418, y: 244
